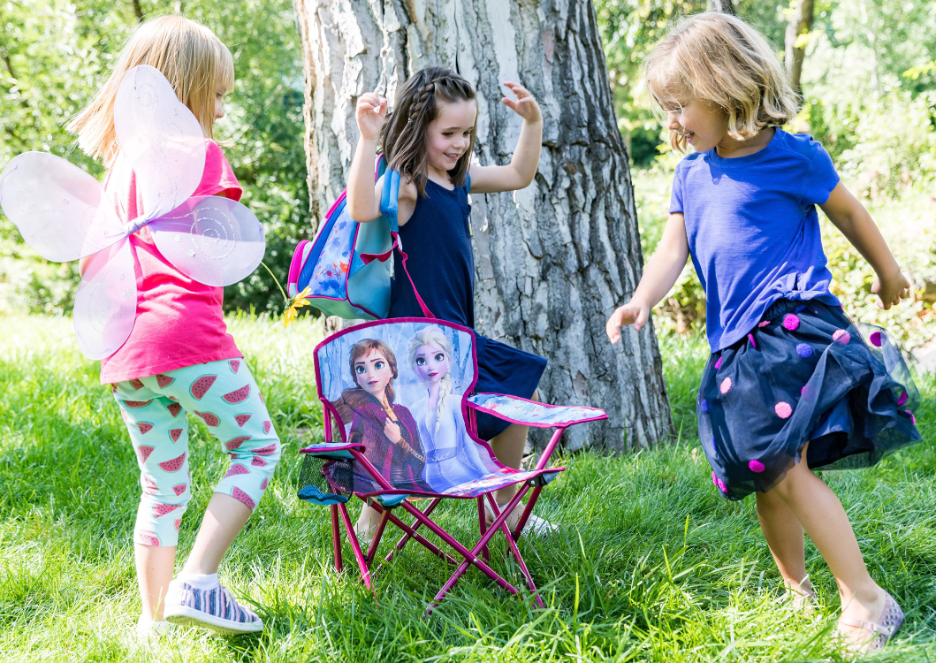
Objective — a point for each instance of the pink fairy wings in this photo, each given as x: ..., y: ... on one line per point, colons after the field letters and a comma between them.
x: 64, y: 214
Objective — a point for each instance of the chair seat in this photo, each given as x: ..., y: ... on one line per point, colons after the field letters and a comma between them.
x: 479, y: 486
x: 531, y: 413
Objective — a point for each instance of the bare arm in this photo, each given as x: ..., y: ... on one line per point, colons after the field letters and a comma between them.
x: 363, y: 197
x: 659, y: 276
x: 520, y: 171
x: 850, y: 217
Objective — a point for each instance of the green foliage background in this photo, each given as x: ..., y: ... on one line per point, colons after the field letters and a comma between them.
x: 53, y: 56
x: 869, y: 84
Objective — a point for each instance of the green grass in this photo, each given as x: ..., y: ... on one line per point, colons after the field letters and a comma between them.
x: 650, y: 563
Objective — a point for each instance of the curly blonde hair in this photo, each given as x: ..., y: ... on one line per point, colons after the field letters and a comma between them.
x: 720, y: 59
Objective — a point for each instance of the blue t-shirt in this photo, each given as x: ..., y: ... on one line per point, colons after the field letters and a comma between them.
x: 753, y: 229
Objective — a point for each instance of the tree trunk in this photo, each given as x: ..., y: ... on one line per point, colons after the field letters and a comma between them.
x: 800, y: 24
x: 724, y: 6
x: 552, y: 260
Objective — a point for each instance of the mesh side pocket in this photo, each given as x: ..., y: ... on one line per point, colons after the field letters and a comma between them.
x: 325, y: 481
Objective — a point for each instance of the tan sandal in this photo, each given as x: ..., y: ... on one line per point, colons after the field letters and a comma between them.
x: 891, y: 618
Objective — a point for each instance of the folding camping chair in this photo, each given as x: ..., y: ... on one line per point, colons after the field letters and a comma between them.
x: 399, y: 392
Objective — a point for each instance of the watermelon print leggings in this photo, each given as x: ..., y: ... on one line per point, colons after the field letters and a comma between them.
x: 225, y: 397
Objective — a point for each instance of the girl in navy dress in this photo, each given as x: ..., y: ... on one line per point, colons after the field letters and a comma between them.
x: 429, y: 140
x: 791, y: 384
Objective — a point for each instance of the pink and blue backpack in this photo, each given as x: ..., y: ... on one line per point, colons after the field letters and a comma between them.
x: 348, y: 265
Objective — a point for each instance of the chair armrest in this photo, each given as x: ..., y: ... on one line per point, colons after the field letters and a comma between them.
x: 532, y: 413
x: 332, y: 450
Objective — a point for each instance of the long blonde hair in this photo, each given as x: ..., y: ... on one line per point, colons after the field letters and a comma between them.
x: 720, y: 59
x: 188, y: 54
x: 428, y: 336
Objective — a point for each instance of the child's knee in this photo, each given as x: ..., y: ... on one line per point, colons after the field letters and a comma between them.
x: 159, y: 515
x: 251, y: 469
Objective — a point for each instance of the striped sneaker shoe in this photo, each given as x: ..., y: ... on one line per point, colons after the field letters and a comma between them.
x: 214, y: 609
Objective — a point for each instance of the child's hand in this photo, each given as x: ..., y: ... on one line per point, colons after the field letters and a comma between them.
x: 392, y: 431
x: 633, y: 313
x: 891, y: 289
x: 525, y: 106
x: 370, y: 114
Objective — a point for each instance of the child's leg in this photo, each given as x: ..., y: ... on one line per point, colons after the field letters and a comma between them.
x: 159, y: 435
x: 236, y: 416
x: 508, y: 448
x: 223, y: 521
x: 784, y: 535
x: 825, y: 521
x: 154, y: 566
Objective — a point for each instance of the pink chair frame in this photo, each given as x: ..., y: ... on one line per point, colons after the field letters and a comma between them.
x: 478, y: 555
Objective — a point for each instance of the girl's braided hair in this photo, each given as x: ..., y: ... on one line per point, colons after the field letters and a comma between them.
x: 403, y: 137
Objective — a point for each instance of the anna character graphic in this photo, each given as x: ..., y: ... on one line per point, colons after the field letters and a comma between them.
x: 452, y: 457
x: 386, y: 429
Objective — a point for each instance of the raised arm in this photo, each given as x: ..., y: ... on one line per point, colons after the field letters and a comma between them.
x: 520, y: 171
x: 659, y: 276
x: 850, y: 217
x: 363, y: 196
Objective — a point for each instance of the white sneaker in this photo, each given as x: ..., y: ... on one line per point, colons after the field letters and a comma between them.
x: 214, y: 608
x: 150, y: 630
x: 534, y: 525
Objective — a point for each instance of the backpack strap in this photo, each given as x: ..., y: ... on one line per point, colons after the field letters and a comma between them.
x: 389, y: 200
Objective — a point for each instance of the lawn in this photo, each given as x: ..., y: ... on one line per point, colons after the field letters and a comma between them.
x: 650, y: 564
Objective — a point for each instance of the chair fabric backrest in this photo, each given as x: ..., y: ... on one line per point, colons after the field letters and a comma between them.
x: 400, y: 387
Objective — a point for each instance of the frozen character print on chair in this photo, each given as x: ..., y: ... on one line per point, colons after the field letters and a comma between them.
x: 386, y: 428
x: 439, y: 415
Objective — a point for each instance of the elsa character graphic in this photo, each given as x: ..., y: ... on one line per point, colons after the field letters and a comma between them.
x: 387, y: 429
x: 451, y: 455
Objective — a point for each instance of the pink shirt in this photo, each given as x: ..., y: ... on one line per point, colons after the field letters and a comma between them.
x: 179, y: 321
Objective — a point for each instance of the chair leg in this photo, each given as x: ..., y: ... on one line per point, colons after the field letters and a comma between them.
x: 336, y: 538
x: 411, y: 532
x: 362, y: 563
x: 511, y: 542
x: 372, y: 549
x: 482, y: 525
x: 471, y: 557
x: 415, y: 526
x: 518, y: 530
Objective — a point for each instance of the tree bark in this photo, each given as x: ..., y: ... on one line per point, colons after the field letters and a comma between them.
x: 724, y: 6
x: 800, y: 24
x: 552, y: 260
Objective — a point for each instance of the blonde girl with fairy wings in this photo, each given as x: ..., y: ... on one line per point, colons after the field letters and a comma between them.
x: 429, y: 139
x: 451, y: 455
x: 179, y: 357
x: 791, y: 384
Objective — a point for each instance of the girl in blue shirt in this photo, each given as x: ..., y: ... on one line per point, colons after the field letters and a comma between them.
x: 791, y: 384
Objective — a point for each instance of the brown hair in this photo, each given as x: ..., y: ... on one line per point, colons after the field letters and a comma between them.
x: 363, y: 349
x: 188, y: 54
x: 403, y: 137
x: 720, y: 59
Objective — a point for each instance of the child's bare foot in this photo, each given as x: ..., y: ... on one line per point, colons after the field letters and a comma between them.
x: 868, y: 621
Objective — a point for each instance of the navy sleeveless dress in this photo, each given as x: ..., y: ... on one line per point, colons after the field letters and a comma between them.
x: 437, y: 241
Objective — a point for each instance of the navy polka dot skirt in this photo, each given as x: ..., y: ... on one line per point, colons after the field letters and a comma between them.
x: 804, y: 374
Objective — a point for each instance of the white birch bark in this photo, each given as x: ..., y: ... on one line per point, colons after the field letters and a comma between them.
x: 552, y: 260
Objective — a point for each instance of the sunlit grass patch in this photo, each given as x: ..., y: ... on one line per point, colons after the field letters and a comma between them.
x: 649, y: 564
